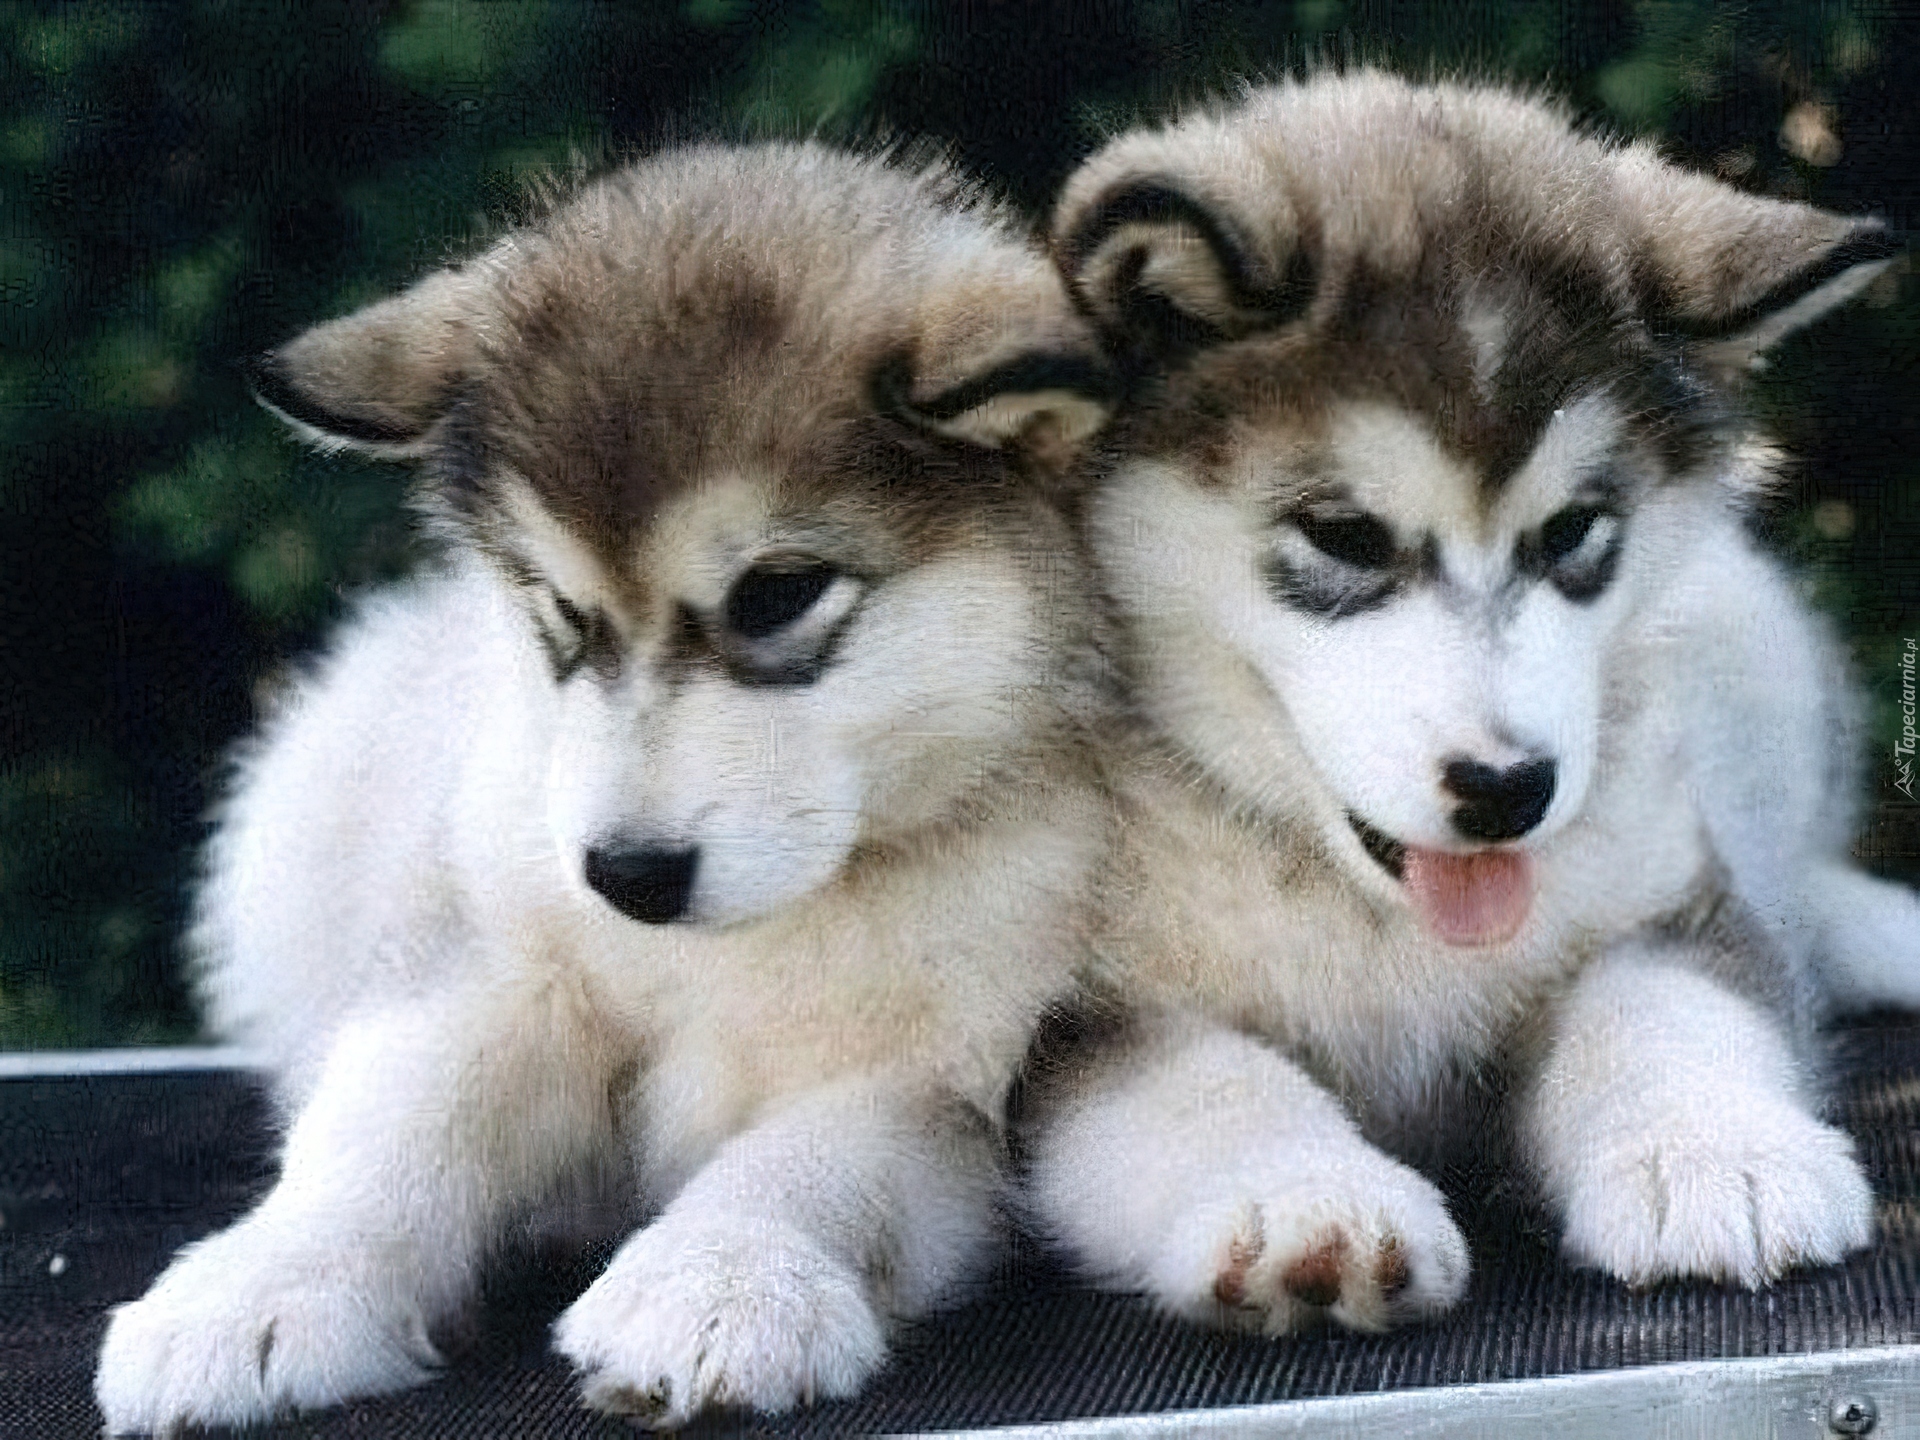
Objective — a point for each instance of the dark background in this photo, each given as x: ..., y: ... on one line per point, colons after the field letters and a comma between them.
x: 182, y: 184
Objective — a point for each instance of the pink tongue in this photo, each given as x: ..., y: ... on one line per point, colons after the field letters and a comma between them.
x: 1477, y: 899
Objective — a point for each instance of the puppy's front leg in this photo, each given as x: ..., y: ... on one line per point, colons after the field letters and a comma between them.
x: 769, y: 1279
x: 427, y: 1128
x: 1668, y: 1127
x: 1199, y: 1166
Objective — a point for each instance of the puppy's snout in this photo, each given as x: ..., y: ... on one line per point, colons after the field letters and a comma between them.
x: 650, y: 885
x: 1498, y: 804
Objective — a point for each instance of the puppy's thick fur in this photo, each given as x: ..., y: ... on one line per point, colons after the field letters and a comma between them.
x: 1482, y: 751
x: 714, y: 819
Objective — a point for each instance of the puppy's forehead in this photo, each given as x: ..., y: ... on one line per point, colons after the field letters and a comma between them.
x: 1390, y: 461
x: 718, y: 525
x: 721, y: 316
x: 1373, y: 176
x: 614, y: 387
x: 1481, y: 365
x: 1472, y: 260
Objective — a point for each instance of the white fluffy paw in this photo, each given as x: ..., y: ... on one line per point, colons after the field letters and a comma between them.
x: 690, y: 1315
x: 1363, y: 1240
x: 1760, y: 1191
x: 240, y: 1328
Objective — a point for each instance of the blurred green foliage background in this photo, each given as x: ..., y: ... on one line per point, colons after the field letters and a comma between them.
x: 182, y: 184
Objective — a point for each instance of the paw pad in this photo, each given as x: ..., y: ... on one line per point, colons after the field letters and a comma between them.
x: 649, y: 1403
x: 1391, y: 1272
x: 1243, y: 1251
x: 1314, y: 1278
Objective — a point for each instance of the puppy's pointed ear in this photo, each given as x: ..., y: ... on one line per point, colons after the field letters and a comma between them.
x: 1008, y: 367
x: 1061, y: 393
x: 378, y: 380
x: 1738, y: 273
x: 1163, y: 268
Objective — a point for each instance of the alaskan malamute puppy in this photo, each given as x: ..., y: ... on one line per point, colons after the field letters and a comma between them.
x: 719, y: 812
x: 1482, y: 747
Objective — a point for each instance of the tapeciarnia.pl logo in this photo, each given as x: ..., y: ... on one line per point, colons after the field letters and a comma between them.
x: 1903, y: 747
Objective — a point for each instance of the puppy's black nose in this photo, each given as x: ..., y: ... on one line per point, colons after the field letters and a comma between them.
x: 654, y: 886
x: 1499, y: 804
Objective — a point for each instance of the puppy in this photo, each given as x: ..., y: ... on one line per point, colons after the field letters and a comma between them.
x: 716, y: 814
x: 1481, y: 751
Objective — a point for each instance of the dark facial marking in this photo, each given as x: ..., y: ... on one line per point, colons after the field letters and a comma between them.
x: 1669, y: 409
x: 1677, y: 413
x: 612, y: 398
x: 1427, y: 566
x: 1389, y: 854
x: 1329, y: 596
x: 594, y: 642
x: 1569, y: 334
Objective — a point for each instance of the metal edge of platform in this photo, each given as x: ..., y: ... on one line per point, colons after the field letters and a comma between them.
x: 130, y: 1060
x: 1789, y: 1397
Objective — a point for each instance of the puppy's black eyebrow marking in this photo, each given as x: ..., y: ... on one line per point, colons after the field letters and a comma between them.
x: 570, y: 613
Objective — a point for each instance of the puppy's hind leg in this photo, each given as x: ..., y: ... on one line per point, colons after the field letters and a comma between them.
x: 1669, y: 1126
x: 428, y: 1127
x: 1199, y: 1166
x: 769, y: 1279
x: 1867, y: 940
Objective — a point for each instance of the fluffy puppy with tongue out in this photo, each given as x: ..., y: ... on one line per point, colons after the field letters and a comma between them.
x: 1485, y: 780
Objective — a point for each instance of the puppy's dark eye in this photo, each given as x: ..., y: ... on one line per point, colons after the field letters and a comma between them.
x: 1565, y: 531
x: 771, y: 597
x: 1352, y: 538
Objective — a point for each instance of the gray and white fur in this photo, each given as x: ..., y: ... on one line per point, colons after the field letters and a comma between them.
x: 714, y: 820
x: 1480, y: 750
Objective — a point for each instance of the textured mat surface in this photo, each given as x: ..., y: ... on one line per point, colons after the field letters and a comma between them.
x: 111, y: 1175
